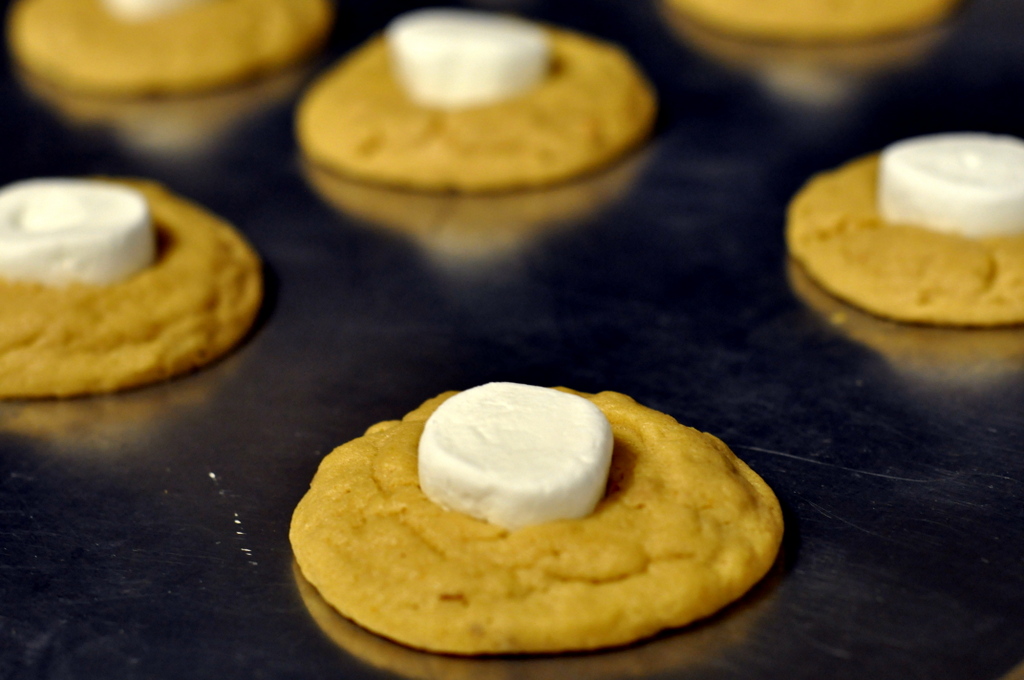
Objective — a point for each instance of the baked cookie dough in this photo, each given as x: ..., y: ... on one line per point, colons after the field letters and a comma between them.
x: 944, y: 353
x: 900, y: 271
x: 593, y: 107
x: 79, y: 45
x: 191, y: 306
x: 684, y: 529
x: 468, y: 229
x: 188, y: 127
x: 814, y: 20
x: 666, y: 656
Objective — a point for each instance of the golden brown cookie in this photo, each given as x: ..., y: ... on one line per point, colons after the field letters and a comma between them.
x: 900, y: 271
x: 667, y: 656
x: 684, y: 529
x: 802, y: 72
x: 814, y: 20
x: 175, y: 128
x: 463, y: 229
x: 191, y: 306
x: 593, y: 107
x: 79, y: 45
x: 945, y: 353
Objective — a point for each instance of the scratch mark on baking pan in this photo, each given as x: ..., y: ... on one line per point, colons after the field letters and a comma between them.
x: 240, y: 532
x: 216, y: 482
x: 993, y: 475
x: 847, y: 522
x: 841, y: 467
x: 239, y: 529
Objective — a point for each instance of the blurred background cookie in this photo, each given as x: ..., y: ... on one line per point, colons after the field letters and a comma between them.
x: 815, y: 20
x: 912, y: 269
x: 63, y: 337
x: 589, y: 105
x: 96, y: 46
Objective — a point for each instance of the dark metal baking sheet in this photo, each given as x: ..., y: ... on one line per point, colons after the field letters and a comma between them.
x: 144, y: 535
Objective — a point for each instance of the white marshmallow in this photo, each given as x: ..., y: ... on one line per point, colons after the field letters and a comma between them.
x: 144, y: 10
x: 452, y: 59
x: 59, y: 231
x: 516, y: 455
x: 968, y: 183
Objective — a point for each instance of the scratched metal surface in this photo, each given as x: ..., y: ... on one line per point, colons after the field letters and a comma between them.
x: 145, y: 534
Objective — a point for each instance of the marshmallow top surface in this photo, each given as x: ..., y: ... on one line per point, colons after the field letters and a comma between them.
x: 452, y: 58
x: 59, y: 231
x: 145, y: 10
x: 516, y: 455
x: 967, y: 183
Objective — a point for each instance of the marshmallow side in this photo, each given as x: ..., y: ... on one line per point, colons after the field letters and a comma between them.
x: 62, y: 231
x: 967, y: 183
x: 453, y: 59
x: 516, y: 455
x: 145, y: 10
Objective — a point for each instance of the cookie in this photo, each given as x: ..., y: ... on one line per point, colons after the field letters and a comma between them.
x: 79, y: 45
x: 684, y: 529
x: 797, y: 68
x: 464, y: 228
x: 814, y: 20
x: 183, y: 127
x: 946, y: 353
x: 665, y: 656
x: 593, y: 107
x: 195, y: 303
x: 901, y: 272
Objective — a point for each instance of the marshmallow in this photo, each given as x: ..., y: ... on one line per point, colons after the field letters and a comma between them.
x: 967, y: 183
x: 452, y: 59
x: 144, y: 10
x: 516, y: 455
x: 59, y: 231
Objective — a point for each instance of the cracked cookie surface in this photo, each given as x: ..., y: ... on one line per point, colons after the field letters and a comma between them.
x: 79, y: 45
x: 684, y: 529
x: 193, y: 304
x: 897, y: 271
x: 593, y: 107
